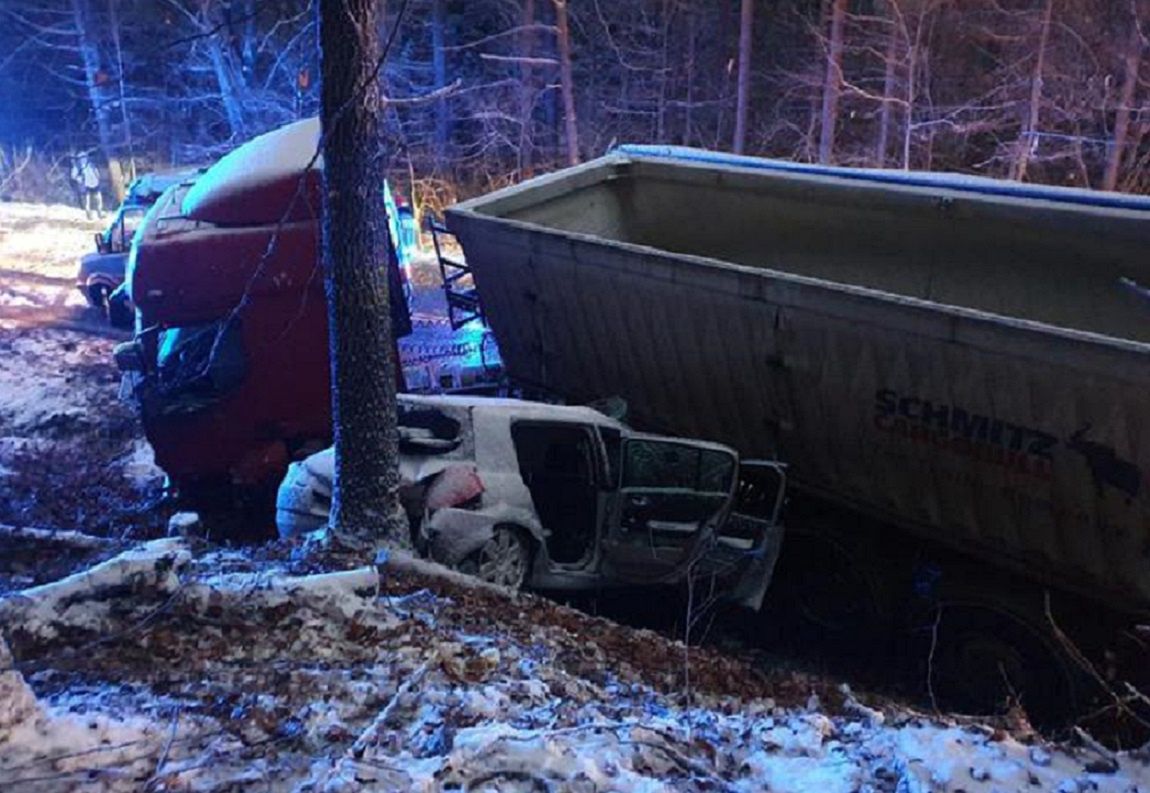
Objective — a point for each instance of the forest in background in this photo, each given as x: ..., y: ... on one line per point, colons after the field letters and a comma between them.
x: 484, y: 92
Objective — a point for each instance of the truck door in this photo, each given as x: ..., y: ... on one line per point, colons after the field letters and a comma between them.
x: 672, y: 496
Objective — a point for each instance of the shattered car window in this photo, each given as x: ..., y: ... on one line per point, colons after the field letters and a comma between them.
x: 715, y: 471
x: 426, y: 430
x: 659, y: 464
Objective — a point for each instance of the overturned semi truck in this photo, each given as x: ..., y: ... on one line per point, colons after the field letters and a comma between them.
x: 229, y: 364
x: 956, y: 361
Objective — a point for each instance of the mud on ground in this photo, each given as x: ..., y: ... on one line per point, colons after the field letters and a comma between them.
x: 72, y: 455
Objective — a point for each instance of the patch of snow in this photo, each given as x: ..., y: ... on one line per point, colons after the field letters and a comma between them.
x: 140, y: 465
x: 184, y: 524
x: 277, y: 158
x: 85, y: 601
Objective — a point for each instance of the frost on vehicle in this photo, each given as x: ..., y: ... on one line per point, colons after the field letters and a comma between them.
x: 558, y: 497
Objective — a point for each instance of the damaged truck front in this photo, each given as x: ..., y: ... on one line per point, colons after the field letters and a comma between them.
x: 229, y: 363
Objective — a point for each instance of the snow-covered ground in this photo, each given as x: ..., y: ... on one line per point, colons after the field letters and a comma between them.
x: 40, y: 250
x: 224, y: 673
x: 71, y: 455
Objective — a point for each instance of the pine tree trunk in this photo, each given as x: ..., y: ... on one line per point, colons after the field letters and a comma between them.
x: 1122, y: 117
x: 439, y: 66
x: 887, y: 92
x: 230, y: 93
x: 1028, y: 140
x: 567, y: 83
x: 689, y: 113
x: 832, y: 84
x: 365, y: 504
x: 526, y: 92
x: 742, y: 97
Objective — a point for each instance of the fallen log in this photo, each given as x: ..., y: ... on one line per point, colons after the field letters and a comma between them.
x: 339, y: 595
x: 404, y: 562
x: 70, y: 539
x: 85, y: 601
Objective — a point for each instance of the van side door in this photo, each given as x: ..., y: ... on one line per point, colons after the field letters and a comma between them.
x: 749, y: 541
x: 673, y: 495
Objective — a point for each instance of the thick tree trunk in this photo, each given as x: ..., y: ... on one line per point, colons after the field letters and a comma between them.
x: 1133, y: 62
x: 1028, y: 140
x: 439, y: 66
x: 526, y: 92
x: 832, y: 84
x: 365, y: 501
x: 567, y: 82
x: 742, y: 97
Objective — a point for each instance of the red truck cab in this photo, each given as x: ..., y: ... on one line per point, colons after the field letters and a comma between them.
x: 229, y: 364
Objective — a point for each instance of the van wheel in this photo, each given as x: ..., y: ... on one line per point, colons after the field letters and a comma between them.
x: 505, y: 559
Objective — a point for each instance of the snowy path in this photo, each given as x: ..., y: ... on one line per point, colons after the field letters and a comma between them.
x: 40, y: 251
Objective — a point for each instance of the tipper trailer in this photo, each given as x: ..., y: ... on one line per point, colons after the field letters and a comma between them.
x: 957, y: 360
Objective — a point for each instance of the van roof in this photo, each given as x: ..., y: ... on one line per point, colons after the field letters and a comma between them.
x: 521, y: 408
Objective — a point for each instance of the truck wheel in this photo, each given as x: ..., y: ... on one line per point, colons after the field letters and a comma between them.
x: 829, y: 594
x: 505, y: 559
x: 983, y: 659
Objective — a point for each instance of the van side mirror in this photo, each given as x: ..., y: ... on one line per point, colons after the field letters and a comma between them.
x: 100, y: 246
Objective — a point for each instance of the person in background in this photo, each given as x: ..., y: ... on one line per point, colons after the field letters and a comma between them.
x: 87, y: 180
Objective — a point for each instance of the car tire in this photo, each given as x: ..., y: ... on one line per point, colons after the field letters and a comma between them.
x: 505, y: 559
x: 98, y: 297
x: 119, y: 313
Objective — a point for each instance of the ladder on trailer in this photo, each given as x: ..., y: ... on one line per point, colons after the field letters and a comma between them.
x: 463, y: 304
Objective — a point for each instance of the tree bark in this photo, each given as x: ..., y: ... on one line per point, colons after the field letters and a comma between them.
x: 94, y: 83
x: 832, y: 84
x: 567, y: 83
x: 439, y: 66
x: 742, y: 97
x: 365, y: 498
x: 1027, y: 141
x: 1114, y: 156
x: 526, y: 92
x: 227, y: 81
x: 689, y: 112
x: 887, y: 92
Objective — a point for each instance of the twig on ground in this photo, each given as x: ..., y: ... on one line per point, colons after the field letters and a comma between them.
x: 930, y: 661
x: 154, y: 781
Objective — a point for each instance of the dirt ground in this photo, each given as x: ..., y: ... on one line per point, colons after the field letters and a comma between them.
x: 72, y: 455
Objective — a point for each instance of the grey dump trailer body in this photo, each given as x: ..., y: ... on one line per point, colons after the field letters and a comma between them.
x: 965, y: 359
